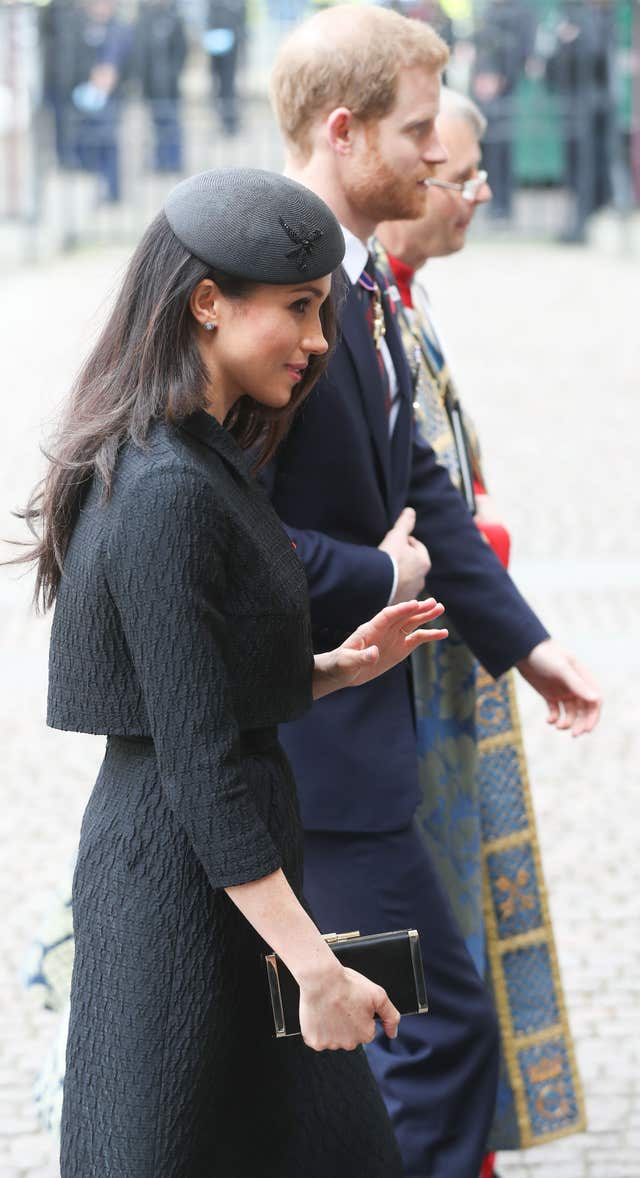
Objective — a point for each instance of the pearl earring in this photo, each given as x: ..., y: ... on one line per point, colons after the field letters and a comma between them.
x: 209, y: 326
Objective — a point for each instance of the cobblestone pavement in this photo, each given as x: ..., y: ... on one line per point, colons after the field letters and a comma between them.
x: 546, y: 348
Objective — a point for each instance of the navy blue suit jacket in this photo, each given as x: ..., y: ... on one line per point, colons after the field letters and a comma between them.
x: 339, y: 483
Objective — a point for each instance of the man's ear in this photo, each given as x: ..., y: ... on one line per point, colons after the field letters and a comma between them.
x: 339, y: 126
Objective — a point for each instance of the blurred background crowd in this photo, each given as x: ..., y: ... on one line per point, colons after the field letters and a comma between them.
x: 104, y: 102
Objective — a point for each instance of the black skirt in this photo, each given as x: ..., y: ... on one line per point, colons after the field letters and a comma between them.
x: 173, y: 1070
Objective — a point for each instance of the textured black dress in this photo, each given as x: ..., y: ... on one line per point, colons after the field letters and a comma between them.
x: 181, y: 631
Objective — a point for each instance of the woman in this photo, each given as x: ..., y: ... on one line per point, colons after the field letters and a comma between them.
x: 181, y: 631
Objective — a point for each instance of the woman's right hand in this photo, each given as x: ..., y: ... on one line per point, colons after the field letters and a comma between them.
x: 337, y: 1010
x: 337, y: 1005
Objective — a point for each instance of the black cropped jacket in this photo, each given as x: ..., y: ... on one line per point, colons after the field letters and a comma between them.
x: 182, y: 615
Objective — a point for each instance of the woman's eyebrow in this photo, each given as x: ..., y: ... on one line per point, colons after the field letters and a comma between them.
x: 313, y: 289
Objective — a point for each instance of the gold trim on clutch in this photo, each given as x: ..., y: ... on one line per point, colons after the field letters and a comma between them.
x: 337, y: 938
x: 276, y: 995
x: 418, y: 971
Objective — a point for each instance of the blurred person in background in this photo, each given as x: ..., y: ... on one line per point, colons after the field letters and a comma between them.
x: 161, y: 50
x: 224, y: 40
x: 504, y: 40
x: 580, y: 69
x: 86, y: 53
x: 463, y: 787
x: 432, y: 13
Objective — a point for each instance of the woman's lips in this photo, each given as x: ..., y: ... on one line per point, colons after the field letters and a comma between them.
x: 296, y: 371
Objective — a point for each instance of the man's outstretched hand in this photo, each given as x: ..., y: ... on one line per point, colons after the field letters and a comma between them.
x: 573, y: 699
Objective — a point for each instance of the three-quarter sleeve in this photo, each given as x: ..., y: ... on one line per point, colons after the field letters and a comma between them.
x: 166, y: 562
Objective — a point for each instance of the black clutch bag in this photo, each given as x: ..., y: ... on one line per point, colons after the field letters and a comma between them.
x: 392, y: 960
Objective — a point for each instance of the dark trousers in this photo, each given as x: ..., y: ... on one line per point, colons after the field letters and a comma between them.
x: 90, y: 141
x: 439, y: 1077
x: 588, y: 167
x: 167, y: 124
x: 223, y: 67
x: 497, y: 153
x: 497, y: 159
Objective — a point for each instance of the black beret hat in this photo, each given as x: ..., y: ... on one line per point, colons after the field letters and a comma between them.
x: 255, y: 225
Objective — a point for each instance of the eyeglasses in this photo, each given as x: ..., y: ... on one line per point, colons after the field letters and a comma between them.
x: 469, y: 188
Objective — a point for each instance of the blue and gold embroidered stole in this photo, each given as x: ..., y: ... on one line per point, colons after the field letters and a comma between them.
x: 477, y: 817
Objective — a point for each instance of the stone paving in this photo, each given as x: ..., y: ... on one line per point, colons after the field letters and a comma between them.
x: 546, y: 347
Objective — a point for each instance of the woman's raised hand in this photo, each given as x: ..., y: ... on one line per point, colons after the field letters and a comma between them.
x: 337, y: 1011
x: 377, y: 645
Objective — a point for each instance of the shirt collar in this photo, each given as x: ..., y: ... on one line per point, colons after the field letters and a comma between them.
x: 355, y: 258
x: 205, y: 428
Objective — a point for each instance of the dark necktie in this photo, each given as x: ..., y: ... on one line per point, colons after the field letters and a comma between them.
x: 375, y: 320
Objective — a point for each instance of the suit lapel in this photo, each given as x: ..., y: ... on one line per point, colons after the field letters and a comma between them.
x: 357, y: 339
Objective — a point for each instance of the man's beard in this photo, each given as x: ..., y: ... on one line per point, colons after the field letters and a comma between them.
x: 380, y: 194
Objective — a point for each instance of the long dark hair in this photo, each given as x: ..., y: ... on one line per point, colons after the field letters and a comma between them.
x: 145, y: 366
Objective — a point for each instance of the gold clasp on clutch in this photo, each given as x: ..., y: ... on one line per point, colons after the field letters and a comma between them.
x: 335, y: 938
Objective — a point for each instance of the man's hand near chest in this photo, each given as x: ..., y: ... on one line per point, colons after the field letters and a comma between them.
x: 411, y: 557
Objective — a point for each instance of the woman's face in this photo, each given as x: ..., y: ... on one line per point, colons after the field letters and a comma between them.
x: 262, y: 343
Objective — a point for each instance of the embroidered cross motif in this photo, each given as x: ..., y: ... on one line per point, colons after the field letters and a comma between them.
x: 304, y: 240
x: 516, y: 896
